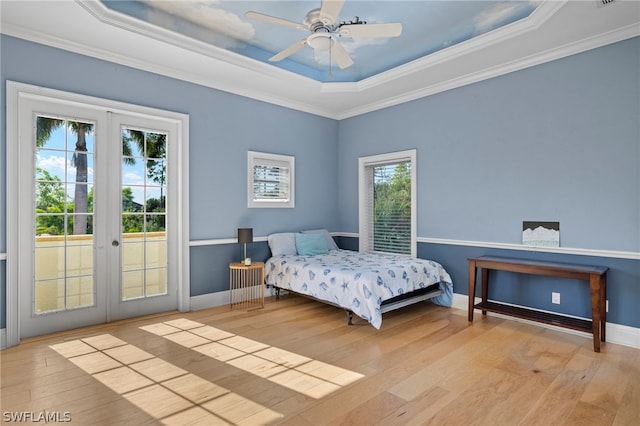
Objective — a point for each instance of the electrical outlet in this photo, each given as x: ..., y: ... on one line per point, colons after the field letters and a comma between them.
x: 607, y: 306
x: 555, y: 298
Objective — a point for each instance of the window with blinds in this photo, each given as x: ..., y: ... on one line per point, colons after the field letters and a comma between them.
x: 387, y: 203
x: 270, y: 180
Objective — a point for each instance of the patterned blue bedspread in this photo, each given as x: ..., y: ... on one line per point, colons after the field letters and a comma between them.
x: 358, y: 281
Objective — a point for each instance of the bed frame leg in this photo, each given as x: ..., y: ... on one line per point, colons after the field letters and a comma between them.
x: 277, y: 293
x: 349, y: 318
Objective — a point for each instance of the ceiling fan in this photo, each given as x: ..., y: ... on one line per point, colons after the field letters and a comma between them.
x: 325, y: 29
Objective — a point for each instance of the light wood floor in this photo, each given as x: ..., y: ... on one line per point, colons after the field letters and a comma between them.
x: 296, y: 362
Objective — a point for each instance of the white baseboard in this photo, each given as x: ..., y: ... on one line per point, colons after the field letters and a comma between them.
x: 220, y: 298
x: 616, y: 333
x: 210, y: 300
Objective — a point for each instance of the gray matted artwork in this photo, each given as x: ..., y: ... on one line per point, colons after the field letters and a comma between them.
x: 541, y: 234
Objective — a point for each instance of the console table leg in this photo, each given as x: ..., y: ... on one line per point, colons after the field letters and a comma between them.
x: 596, y: 309
x: 485, y: 287
x: 603, y: 307
x: 472, y: 288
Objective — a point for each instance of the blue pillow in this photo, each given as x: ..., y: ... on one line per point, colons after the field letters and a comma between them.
x: 331, y: 244
x: 311, y: 244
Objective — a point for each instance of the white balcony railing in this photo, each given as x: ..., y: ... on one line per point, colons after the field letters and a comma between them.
x: 64, y: 269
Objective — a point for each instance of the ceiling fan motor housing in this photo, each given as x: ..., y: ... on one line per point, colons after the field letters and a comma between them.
x: 320, y: 38
x: 315, y: 24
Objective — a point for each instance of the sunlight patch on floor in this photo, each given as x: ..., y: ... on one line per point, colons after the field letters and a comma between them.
x: 161, y: 389
x: 310, y: 377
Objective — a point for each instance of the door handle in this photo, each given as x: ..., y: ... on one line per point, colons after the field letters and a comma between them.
x: 115, y: 243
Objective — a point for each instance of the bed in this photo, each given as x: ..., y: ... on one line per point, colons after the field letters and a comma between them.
x: 365, y: 284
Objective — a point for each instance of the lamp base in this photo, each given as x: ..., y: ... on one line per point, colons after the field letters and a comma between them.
x: 247, y: 261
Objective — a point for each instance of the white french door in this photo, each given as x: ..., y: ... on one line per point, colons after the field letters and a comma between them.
x: 139, y: 215
x: 97, y: 233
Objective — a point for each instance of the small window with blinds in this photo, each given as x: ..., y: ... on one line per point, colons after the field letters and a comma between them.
x: 387, y: 198
x: 270, y: 180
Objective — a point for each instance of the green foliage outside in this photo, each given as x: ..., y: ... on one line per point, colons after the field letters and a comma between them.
x: 133, y: 217
x: 56, y: 214
x: 392, y: 208
x: 51, y: 205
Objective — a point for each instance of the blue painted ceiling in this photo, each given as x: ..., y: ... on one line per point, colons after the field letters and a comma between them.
x: 427, y: 27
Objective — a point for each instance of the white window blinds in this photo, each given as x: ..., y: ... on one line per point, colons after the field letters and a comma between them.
x: 270, y: 180
x: 387, y: 203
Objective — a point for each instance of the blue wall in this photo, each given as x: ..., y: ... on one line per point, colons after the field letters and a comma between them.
x: 559, y: 141
x: 555, y: 142
x: 223, y: 127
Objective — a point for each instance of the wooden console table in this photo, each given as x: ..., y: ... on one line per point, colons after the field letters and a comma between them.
x: 596, y: 276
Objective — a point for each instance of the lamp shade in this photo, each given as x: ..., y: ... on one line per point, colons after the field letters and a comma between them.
x: 245, y: 235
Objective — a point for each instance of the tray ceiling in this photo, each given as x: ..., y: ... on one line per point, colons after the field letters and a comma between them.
x: 443, y: 45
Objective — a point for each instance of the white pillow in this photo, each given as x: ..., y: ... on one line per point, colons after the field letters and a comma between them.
x: 331, y: 244
x: 282, y: 243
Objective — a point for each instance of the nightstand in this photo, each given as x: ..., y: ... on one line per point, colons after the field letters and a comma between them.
x: 246, y: 285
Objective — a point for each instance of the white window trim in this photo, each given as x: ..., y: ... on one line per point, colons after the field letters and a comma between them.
x: 382, y: 159
x: 262, y: 158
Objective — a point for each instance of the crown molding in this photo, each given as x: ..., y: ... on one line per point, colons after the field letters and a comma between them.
x: 555, y: 30
x: 483, y: 41
x: 126, y: 22
x: 580, y: 46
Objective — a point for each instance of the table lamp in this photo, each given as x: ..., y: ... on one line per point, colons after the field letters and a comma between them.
x: 245, y: 236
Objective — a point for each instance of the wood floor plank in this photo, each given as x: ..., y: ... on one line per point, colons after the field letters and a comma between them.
x: 370, y: 411
x: 563, y: 394
x: 628, y: 413
x: 612, y: 379
x: 590, y: 415
x: 297, y: 362
x: 517, y: 401
x: 415, y: 412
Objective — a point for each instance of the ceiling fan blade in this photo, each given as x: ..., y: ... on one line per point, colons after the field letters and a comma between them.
x: 392, y: 29
x: 340, y: 55
x: 330, y: 11
x: 273, y: 20
x: 288, y: 51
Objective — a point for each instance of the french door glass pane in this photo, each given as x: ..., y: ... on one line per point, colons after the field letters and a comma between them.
x: 49, y: 295
x: 132, y: 284
x: 144, y: 248
x: 79, y: 291
x: 63, y: 189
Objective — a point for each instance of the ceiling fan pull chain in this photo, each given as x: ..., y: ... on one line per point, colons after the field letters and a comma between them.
x: 330, y: 45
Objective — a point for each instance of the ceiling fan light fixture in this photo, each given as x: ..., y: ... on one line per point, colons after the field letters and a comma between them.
x: 321, y: 42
